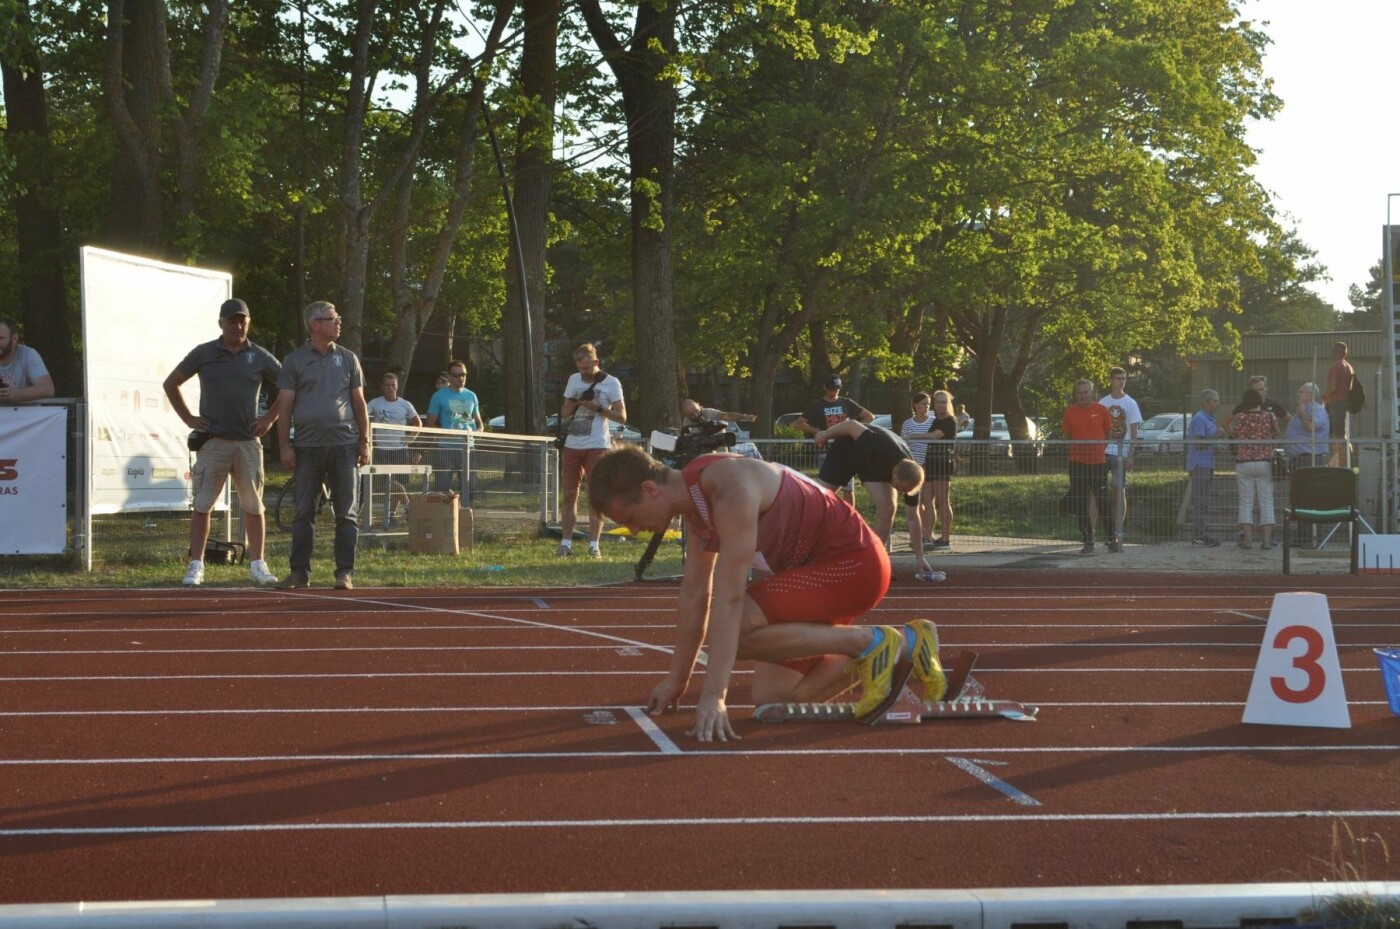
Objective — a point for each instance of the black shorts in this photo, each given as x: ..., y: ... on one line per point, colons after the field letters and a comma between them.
x: 1086, y: 479
x: 940, y: 468
x: 845, y: 460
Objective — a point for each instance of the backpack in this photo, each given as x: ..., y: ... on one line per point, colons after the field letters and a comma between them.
x: 1356, y: 397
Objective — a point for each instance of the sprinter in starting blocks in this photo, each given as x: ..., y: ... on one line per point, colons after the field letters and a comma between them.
x: 964, y: 699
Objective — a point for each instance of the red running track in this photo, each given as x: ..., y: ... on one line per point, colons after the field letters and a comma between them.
x: 242, y: 743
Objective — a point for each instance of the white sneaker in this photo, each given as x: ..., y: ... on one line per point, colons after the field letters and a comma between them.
x: 194, y: 575
x: 260, y: 574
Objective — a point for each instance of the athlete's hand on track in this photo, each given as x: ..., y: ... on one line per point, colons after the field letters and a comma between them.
x: 665, y: 696
x: 712, y: 720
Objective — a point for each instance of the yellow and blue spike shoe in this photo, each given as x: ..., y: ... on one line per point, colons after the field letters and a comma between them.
x: 882, y: 675
x: 927, y: 667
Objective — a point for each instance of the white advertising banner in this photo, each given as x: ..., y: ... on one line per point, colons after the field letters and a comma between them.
x: 33, y: 480
x: 140, y: 319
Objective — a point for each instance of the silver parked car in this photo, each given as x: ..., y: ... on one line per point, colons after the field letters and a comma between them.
x: 1163, y: 434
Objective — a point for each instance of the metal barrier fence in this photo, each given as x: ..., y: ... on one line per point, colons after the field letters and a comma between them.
x: 510, y: 482
x: 1010, y: 493
x: 1007, y: 494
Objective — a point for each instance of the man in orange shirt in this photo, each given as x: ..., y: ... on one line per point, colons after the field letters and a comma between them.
x: 1086, y: 419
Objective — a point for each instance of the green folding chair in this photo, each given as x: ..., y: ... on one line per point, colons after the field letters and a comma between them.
x: 1321, y: 495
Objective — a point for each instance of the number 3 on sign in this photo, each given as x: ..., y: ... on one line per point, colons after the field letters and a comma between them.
x: 1297, y: 677
x: 1307, y: 662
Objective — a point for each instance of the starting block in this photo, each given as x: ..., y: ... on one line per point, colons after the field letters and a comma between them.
x: 967, y: 700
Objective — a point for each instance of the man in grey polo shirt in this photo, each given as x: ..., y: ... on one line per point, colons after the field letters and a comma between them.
x: 232, y: 371
x: 322, y: 394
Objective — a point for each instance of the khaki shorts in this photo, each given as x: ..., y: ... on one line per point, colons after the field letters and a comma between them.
x: 220, y: 458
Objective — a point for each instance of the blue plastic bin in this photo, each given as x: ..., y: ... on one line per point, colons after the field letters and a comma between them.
x: 1389, y: 659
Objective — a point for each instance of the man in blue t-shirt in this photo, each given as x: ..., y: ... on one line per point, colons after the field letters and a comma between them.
x: 453, y: 407
x: 1200, y: 463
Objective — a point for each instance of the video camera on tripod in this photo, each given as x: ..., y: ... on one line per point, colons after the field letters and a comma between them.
x: 697, y: 437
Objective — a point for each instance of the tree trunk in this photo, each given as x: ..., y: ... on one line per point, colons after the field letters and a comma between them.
x: 39, y: 228
x: 534, y: 163
x: 137, y: 57
x: 415, y: 303
x: 187, y: 129
x: 354, y: 216
x: 649, y: 101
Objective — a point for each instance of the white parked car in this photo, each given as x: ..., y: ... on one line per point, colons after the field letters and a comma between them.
x: 1002, y: 446
x: 1163, y: 434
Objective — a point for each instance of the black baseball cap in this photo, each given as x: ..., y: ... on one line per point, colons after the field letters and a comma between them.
x: 233, y: 307
x: 833, y: 382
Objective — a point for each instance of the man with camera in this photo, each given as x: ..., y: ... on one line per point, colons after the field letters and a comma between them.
x: 227, y: 432
x: 592, y: 402
x: 23, y: 375
x: 706, y: 420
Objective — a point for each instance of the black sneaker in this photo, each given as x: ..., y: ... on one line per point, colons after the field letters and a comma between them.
x: 295, y: 581
x: 1088, y: 548
x: 1206, y: 542
x: 1115, y: 544
x: 941, y: 545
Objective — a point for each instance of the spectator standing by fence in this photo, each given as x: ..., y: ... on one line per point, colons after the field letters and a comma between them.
x: 1125, y: 416
x: 391, y: 445
x: 232, y: 371
x: 592, y: 402
x: 1254, y: 468
x: 23, y: 375
x: 939, y: 465
x: 1087, y: 424
x: 1305, y: 441
x: 322, y: 394
x: 1305, y: 436
x: 1200, y: 464
x: 915, y: 428
x: 829, y: 410
x: 1339, y: 378
x: 456, y: 408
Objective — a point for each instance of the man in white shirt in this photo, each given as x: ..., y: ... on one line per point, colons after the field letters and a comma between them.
x: 592, y: 402
x: 391, y: 445
x: 1124, y: 419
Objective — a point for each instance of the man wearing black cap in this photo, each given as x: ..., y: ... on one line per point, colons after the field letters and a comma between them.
x: 232, y: 371
x: 828, y: 411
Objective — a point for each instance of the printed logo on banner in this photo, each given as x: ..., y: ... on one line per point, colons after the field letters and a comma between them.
x: 33, y: 485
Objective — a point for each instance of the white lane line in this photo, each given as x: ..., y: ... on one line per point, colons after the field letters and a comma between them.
x: 428, y: 710
x: 709, y: 821
x: 309, y: 650
x: 365, y: 675
x: 709, y: 753
x: 981, y: 628
x: 1262, y: 619
x: 336, y: 676
x: 474, y: 614
x: 1020, y: 798
x: 653, y: 731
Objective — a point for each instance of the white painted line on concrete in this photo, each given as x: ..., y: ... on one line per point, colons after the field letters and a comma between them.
x: 653, y: 731
x: 707, y: 753
x: 670, y: 823
x: 1020, y: 798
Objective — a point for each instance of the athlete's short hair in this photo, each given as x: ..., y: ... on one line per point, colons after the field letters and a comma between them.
x: 618, y: 475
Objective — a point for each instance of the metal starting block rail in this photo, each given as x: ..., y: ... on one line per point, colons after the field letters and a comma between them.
x: 968, y: 702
